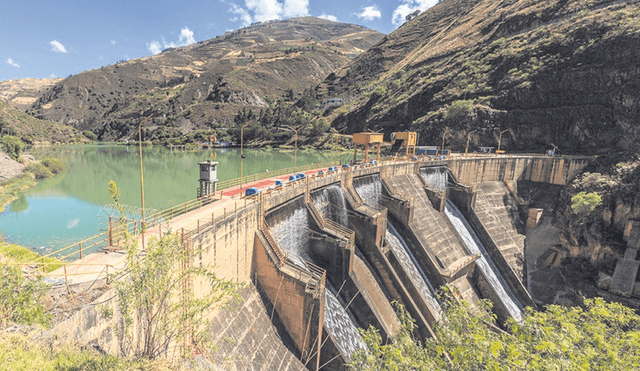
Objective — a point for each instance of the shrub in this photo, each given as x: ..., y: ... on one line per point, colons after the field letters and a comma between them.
x: 38, y: 170
x: 584, y: 203
x: 21, y: 300
x: 459, y: 108
x: 90, y: 135
x: 12, y: 146
x: 54, y: 165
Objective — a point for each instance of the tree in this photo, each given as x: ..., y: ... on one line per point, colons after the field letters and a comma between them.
x: 21, y: 299
x: 157, y: 307
x: 584, y: 203
x: 12, y: 146
x: 596, y: 336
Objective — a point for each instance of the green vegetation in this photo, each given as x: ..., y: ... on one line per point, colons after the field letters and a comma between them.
x: 12, y: 188
x: 18, y: 352
x: 597, y: 336
x: 12, y: 146
x: 584, y: 203
x: 54, y: 165
x: 21, y: 254
x: 38, y: 170
x: 152, y: 301
x: 21, y: 299
x: 459, y: 108
x: 32, y: 130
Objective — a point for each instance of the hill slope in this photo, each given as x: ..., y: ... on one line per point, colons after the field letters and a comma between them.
x: 561, y: 71
x: 22, y: 93
x: 204, y: 85
x: 34, y: 131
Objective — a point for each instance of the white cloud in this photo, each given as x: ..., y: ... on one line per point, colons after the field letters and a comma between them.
x: 113, y: 42
x: 295, y: 8
x: 408, y: 7
x: 264, y: 10
x: 11, y: 62
x: 369, y: 13
x: 57, y: 47
x: 154, y: 47
x: 241, y: 14
x: 186, y: 38
x: 329, y: 17
x: 53, y: 76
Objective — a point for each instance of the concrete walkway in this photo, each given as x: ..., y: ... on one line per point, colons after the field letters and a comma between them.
x: 96, y: 265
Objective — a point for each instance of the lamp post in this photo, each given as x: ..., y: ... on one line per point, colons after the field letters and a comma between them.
x: 242, y: 156
x: 141, y: 173
x: 295, y: 152
x: 500, y: 141
x: 337, y: 145
x: 446, y: 130
x: 466, y: 150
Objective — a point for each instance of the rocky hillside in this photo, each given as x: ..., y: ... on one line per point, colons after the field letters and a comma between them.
x: 546, y: 71
x: 34, y: 131
x: 204, y: 85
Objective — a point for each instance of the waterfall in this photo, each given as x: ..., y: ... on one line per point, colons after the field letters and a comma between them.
x: 411, y: 266
x: 332, y: 205
x: 435, y: 177
x: 340, y: 324
x: 293, y: 235
x: 369, y: 188
x: 486, y: 265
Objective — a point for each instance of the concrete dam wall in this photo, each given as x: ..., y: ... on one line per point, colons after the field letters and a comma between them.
x: 328, y: 254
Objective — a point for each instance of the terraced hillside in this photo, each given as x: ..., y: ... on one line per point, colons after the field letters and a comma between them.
x: 204, y: 85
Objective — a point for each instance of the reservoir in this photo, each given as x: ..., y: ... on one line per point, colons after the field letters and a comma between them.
x: 68, y: 207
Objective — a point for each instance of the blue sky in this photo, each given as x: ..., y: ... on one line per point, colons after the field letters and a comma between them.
x: 57, y: 38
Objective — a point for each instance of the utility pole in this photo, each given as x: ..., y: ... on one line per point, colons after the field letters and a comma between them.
x: 500, y: 140
x: 242, y: 156
x: 468, y: 139
x: 142, y: 174
x: 446, y: 130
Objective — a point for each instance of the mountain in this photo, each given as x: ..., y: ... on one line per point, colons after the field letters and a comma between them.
x: 35, y: 131
x: 204, y: 85
x: 562, y: 72
x: 22, y: 93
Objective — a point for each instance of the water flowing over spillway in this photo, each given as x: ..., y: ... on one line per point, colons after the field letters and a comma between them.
x: 293, y: 236
x: 410, y: 265
x: 331, y: 204
x: 369, y: 188
x: 486, y: 265
x: 436, y: 176
x: 340, y: 324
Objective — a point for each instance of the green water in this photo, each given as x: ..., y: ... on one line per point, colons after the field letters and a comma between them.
x: 67, y: 208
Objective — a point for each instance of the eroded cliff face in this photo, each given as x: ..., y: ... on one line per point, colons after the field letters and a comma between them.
x: 565, y: 72
x: 598, y: 235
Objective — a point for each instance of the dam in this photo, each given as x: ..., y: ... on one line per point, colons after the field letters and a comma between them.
x: 325, y: 255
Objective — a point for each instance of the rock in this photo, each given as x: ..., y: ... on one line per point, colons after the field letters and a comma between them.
x: 9, y: 168
x: 604, y: 281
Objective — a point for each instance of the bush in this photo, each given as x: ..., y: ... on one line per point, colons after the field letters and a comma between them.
x: 38, y: 170
x: 90, y: 135
x: 54, y: 165
x: 21, y: 300
x: 584, y: 203
x: 459, y: 108
x: 12, y: 146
